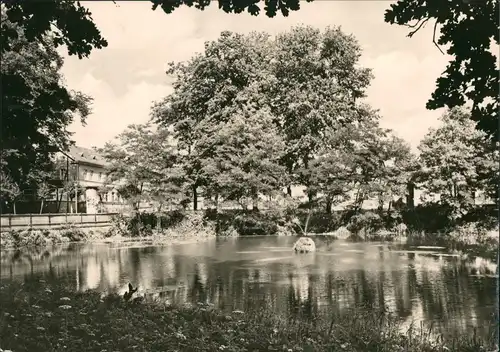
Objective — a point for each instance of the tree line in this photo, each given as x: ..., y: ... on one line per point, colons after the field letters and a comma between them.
x: 253, y: 115
x: 37, y: 107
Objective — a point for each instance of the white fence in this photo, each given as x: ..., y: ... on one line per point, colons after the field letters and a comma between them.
x: 40, y: 221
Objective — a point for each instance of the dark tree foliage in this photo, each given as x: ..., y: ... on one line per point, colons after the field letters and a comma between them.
x: 36, y: 107
x: 68, y: 21
x: 271, y: 7
x: 72, y: 24
x: 468, y: 28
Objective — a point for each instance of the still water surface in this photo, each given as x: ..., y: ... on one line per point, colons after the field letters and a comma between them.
x: 418, y: 284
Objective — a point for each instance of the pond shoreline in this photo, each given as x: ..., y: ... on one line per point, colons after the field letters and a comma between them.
x: 47, y: 316
x: 58, y: 237
x: 98, y: 237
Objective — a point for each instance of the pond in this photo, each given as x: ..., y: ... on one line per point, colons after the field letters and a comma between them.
x: 427, y: 285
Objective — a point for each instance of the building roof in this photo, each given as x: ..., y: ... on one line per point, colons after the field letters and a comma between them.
x: 86, y: 156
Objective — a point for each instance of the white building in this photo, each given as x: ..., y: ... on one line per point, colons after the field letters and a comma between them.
x: 90, y: 174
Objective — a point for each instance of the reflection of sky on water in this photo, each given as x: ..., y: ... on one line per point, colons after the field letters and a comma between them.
x: 420, y: 285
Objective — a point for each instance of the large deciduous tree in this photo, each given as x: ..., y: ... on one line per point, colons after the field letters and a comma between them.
x: 468, y: 28
x: 358, y: 164
x: 317, y: 85
x: 36, y: 107
x: 208, y: 90
x: 240, y: 158
x: 457, y: 161
x: 303, y: 80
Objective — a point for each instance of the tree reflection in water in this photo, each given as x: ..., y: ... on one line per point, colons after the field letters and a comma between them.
x: 253, y: 273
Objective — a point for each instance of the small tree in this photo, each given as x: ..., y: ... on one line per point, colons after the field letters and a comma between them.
x: 9, y: 189
x: 145, y: 164
x: 43, y: 192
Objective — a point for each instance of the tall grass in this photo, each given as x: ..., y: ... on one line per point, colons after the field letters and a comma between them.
x: 39, y: 316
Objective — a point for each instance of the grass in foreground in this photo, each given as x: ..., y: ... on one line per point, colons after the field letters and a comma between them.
x: 38, y: 316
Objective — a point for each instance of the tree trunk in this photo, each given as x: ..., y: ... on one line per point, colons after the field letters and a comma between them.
x: 158, y: 219
x: 217, y: 224
x: 307, y: 221
x: 410, y: 198
x: 380, y: 202
x: 41, y: 207
x: 195, y: 198
x: 328, y: 205
x: 58, y: 200
x: 310, y: 197
x: 255, y: 200
x: 356, y: 201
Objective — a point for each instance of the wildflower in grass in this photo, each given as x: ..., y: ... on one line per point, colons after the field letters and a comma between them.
x: 65, y: 299
x: 65, y: 307
x: 48, y: 290
x: 40, y: 328
x: 180, y: 335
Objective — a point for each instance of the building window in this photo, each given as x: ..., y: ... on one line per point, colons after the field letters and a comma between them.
x: 84, y: 174
x: 105, y: 197
x: 91, y: 176
x: 112, y: 196
x: 100, y: 176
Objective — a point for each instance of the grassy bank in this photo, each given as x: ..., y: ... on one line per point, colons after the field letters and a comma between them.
x: 17, y: 239
x: 39, y: 316
x: 188, y: 229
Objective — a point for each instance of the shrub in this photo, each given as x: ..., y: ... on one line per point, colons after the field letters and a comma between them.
x: 40, y: 238
x: 366, y: 222
x: 319, y: 221
x: 255, y: 223
x: 193, y: 225
x: 144, y: 224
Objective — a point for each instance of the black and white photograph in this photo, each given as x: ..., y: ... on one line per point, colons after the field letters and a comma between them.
x: 249, y: 176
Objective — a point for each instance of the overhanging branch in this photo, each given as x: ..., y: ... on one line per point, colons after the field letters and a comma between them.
x: 434, y: 37
x: 418, y: 25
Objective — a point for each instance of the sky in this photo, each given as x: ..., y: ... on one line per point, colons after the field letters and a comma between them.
x: 126, y: 77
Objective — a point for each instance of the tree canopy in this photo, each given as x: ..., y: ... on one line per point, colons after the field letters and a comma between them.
x: 143, y: 164
x: 457, y: 161
x: 36, y: 106
x: 469, y: 29
x: 293, y: 101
